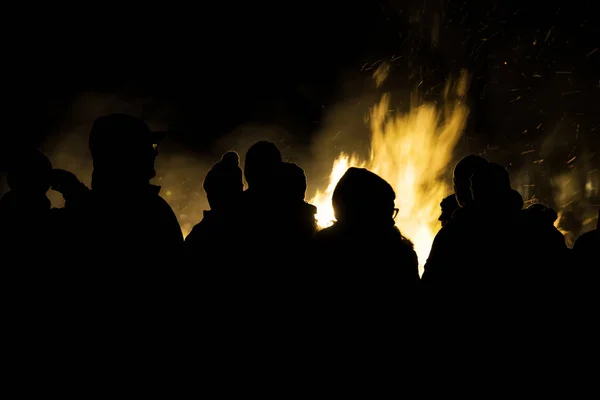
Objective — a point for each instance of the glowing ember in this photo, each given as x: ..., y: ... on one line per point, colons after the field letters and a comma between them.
x: 412, y: 152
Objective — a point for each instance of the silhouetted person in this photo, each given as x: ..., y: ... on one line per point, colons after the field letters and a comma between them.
x: 583, y: 328
x: 471, y: 275
x: 261, y: 169
x: 130, y: 276
x: 448, y: 206
x: 363, y: 250
x: 26, y: 214
x: 300, y: 215
x: 366, y: 275
x: 541, y: 214
x: 260, y: 201
x: 37, y: 280
x: 488, y: 254
x: 215, y: 254
x: 454, y: 234
x: 126, y: 219
x: 549, y: 257
x: 29, y: 178
x: 461, y: 178
x: 218, y: 230
x: 277, y: 223
x: 27, y: 238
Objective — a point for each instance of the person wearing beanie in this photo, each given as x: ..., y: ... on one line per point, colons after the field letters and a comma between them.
x: 218, y: 228
x: 461, y: 177
x: 298, y: 216
x: 365, y: 234
x: 363, y: 197
x: 224, y: 183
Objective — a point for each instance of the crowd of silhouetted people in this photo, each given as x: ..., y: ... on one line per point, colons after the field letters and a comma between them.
x: 107, y: 296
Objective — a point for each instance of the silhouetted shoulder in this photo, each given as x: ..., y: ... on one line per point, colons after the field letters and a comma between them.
x: 587, y: 240
x: 310, y: 209
x: 166, y: 218
x: 202, y: 229
x: 325, y: 234
x: 411, y: 254
x: 406, y: 242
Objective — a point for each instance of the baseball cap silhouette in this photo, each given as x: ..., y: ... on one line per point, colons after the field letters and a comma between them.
x: 121, y: 134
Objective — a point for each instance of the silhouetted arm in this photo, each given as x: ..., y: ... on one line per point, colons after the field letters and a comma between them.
x: 75, y: 192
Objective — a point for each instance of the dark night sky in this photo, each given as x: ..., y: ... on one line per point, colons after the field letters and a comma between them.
x: 238, y: 62
x: 209, y: 68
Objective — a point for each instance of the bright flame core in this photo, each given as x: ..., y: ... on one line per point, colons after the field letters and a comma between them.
x: 411, y: 151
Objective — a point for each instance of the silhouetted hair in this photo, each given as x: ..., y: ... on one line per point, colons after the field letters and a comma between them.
x: 461, y: 177
x: 224, y: 179
x: 262, y: 159
x: 542, y: 213
x: 362, y: 195
x: 120, y: 135
x: 517, y: 200
x: 293, y: 181
x: 490, y: 185
x: 29, y: 170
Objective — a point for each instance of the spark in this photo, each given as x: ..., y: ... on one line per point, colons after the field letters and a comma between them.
x: 548, y: 35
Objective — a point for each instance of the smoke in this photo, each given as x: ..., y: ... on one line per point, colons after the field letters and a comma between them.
x: 179, y: 171
x: 561, y: 171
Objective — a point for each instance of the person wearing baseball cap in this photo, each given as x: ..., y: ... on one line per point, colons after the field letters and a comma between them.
x: 124, y: 150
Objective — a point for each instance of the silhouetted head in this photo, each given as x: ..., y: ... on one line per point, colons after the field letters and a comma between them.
x: 262, y: 163
x: 223, y: 183
x: 448, y: 206
x: 490, y: 188
x: 124, y: 145
x: 363, y: 197
x: 517, y: 202
x: 541, y: 214
x: 461, y: 177
x: 293, y: 182
x: 29, y: 172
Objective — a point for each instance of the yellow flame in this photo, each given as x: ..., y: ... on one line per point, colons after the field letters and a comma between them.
x: 381, y: 73
x: 412, y: 151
